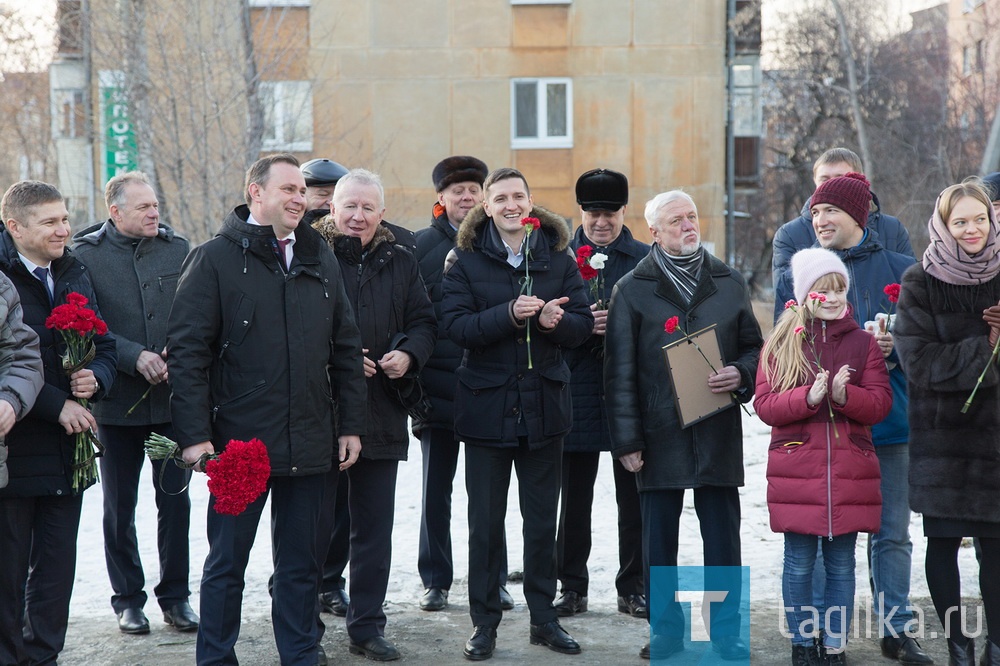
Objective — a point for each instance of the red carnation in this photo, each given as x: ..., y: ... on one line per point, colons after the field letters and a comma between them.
x: 532, y: 222
x: 671, y: 325
x: 76, y: 298
x: 587, y: 272
x: 584, y: 252
x: 892, y: 291
x: 238, y: 476
x: 790, y: 303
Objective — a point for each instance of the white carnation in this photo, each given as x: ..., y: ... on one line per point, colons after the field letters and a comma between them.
x: 597, y: 261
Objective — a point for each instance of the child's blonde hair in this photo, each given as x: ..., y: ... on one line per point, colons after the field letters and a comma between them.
x: 785, y: 362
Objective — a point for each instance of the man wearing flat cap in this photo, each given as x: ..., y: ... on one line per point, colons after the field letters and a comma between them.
x: 603, y: 197
x: 458, y: 181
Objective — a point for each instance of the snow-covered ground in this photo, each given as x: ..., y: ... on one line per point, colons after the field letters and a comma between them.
x: 762, y: 550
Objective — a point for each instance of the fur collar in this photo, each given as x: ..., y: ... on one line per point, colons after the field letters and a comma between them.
x: 476, y: 220
x: 330, y: 233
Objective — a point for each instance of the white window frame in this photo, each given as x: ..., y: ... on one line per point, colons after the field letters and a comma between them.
x: 542, y: 139
x: 280, y: 112
x: 279, y: 3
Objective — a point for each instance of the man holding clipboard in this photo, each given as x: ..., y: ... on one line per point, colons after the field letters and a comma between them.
x: 678, y: 278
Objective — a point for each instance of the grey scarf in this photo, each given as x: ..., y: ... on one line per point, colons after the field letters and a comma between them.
x: 948, y: 262
x: 683, y: 271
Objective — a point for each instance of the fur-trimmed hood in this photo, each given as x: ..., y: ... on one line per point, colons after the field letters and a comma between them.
x: 349, y: 247
x: 476, y: 220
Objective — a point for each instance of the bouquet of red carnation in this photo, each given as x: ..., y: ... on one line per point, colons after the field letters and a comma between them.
x: 236, y: 477
x: 78, y: 325
x: 592, y: 271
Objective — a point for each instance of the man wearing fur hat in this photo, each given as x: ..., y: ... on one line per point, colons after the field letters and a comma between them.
x: 840, y: 208
x: 513, y: 299
x: 603, y: 197
x: 458, y: 181
x: 992, y: 183
x: 679, y: 278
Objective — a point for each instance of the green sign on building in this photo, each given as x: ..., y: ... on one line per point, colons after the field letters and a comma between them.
x: 117, y: 132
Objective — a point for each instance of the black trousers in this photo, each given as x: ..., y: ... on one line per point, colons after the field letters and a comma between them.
x: 718, y: 510
x: 120, y: 468
x: 574, y: 540
x: 38, y: 546
x: 487, y: 479
x: 334, y: 531
x: 295, y: 507
x: 439, y: 450
x: 372, y: 499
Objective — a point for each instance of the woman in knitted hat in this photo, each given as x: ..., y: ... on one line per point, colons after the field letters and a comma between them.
x: 946, y: 332
x: 821, y: 384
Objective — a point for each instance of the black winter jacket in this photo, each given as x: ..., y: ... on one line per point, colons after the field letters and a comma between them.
x: 390, y: 304
x: 943, y: 343
x: 586, y: 362
x: 498, y: 398
x: 40, y: 451
x: 438, y: 376
x: 640, y: 395
x: 256, y: 352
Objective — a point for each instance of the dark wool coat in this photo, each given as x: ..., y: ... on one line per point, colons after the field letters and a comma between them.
x: 498, y: 398
x: 135, y: 280
x: 40, y: 452
x: 384, y: 288
x: 943, y: 342
x: 438, y: 376
x: 640, y: 396
x: 258, y: 353
x: 819, y: 482
x: 586, y: 362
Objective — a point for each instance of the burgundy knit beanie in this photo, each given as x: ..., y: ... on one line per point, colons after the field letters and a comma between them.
x: 850, y: 193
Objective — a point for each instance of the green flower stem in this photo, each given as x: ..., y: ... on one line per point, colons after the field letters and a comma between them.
x: 982, y: 375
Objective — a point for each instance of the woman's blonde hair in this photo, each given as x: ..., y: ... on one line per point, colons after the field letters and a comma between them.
x: 785, y: 362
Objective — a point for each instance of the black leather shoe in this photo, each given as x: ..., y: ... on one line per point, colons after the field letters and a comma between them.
x: 835, y: 658
x: 482, y: 643
x: 662, y: 647
x: 904, y: 649
x: 321, y: 659
x: 634, y: 605
x: 133, y: 621
x: 805, y: 655
x: 554, y: 637
x: 506, y: 601
x: 181, y: 617
x: 731, y: 648
x: 335, y: 602
x: 961, y: 655
x: 570, y: 603
x: 434, y: 599
x: 376, y: 648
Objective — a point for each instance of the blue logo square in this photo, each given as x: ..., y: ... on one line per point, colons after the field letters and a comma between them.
x: 699, y: 608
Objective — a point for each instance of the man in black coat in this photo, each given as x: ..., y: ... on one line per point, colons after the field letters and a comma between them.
x: 679, y: 278
x: 262, y: 344
x: 40, y: 508
x: 398, y: 330
x: 458, y: 181
x: 513, y: 300
x: 134, y: 262
x: 603, y: 198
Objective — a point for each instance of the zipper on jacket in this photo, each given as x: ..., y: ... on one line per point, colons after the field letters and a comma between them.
x: 829, y: 483
x: 253, y: 389
x: 225, y: 346
x: 824, y: 330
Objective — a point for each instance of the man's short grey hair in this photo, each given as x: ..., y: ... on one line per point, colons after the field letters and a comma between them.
x: 361, y: 177
x: 654, y: 205
x: 114, y: 191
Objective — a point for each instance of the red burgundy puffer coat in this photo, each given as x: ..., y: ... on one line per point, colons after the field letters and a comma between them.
x: 818, y: 482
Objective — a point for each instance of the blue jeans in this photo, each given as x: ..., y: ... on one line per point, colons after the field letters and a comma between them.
x: 890, y: 549
x: 797, y: 584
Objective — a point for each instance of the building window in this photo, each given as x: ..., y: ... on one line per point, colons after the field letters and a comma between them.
x: 541, y: 113
x: 748, y: 122
x: 288, y: 117
x: 71, y: 113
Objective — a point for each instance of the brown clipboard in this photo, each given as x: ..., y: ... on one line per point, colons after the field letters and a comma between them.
x: 688, y: 372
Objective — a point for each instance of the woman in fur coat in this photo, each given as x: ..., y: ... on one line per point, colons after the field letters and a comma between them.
x: 946, y: 334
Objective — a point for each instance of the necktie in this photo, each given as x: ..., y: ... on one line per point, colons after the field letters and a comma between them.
x: 43, y: 275
x: 282, y: 256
